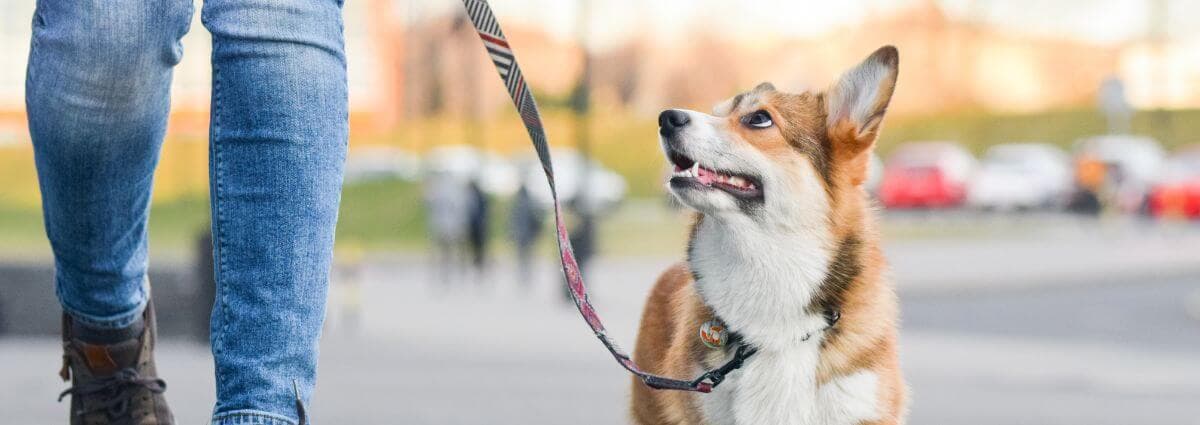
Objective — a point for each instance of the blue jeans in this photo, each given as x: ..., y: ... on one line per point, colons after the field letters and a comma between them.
x: 98, y: 94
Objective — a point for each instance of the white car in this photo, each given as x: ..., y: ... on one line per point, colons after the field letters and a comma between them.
x: 874, y: 174
x: 382, y: 162
x: 603, y: 191
x: 1019, y: 176
x: 495, y: 174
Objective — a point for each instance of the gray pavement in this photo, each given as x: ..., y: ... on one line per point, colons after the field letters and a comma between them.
x: 400, y: 348
x: 993, y: 252
x: 1144, y: 314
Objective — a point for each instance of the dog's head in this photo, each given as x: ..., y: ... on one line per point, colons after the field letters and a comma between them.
x: 768, y: 154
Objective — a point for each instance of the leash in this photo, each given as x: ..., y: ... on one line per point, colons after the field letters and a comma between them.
x: 506, y: 64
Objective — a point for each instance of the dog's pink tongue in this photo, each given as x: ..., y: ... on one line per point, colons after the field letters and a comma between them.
x: 705, y: 176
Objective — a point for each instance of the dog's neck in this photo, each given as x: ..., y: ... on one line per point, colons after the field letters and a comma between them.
x: 760, y: 281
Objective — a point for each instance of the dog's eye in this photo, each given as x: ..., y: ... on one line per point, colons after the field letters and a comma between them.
x: 758, y: 119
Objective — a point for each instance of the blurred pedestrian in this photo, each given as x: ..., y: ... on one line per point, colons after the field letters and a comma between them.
x: 448, y: 202
x: 525, y: 228
x: 98, y: 96
x: 477, y: 225
x: 346, y: 311
x: 583, y: 238
x: 206, y: 291
x: 1090, y: 178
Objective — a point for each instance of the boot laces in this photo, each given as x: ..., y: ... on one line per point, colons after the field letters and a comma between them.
x: 114, y: 392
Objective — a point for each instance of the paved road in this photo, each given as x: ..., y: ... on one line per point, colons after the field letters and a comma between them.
x: 1151, y: 315
x: 1108, y: 354
x: 493, y: 352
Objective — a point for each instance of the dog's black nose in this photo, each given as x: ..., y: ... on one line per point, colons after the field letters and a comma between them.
x: 670, y: 121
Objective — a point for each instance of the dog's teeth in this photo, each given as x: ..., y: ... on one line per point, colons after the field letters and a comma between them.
x: 695, y: 169
x: 737, y: 181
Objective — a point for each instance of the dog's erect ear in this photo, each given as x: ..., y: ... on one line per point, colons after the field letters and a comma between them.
x: 856, y: 104
x: 855, y: 108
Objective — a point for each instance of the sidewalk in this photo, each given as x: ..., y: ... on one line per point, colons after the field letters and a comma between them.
x: 401, y: 348
x: 1045, y: 259
x: 954, y: 380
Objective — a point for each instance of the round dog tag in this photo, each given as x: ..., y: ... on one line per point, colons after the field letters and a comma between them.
x: 713, y: 334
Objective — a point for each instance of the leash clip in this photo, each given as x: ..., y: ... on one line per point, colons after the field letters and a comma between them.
x: 716, y: 376
x: 744, y: 351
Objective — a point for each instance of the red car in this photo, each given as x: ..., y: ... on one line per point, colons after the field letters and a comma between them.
x: 1178, y: 195
x: 926, y: 175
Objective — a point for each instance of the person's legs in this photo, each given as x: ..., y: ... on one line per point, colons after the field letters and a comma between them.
x: 279, y: 133
x: 97, y: 95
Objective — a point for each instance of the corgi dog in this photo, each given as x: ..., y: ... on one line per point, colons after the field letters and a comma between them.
x: 783, y: 257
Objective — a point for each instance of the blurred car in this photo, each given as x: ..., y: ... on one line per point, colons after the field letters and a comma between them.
x: 874, y: 174
x: 1020, y: 176
x: 381, y: 162
x: 1178, y: 193
x: 495, y: 174
x: 1132, y: 164
x: 926, y: 175
x: 604, y: 188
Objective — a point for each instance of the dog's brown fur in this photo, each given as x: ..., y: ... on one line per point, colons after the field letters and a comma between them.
x: 866, y: 336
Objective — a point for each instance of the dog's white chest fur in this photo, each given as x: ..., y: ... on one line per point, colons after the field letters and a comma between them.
x: 760, y: 284
x: 781, y: 388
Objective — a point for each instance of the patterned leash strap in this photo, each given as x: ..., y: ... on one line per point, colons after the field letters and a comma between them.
x: 506, y: 64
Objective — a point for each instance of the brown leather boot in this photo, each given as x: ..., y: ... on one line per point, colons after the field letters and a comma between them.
x: 114, y: 384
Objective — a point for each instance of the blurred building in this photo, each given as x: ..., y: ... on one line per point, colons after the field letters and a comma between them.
x: 1162, y: 74
x: 404, y: 64
x: 949, y: 63
x: 448, y: 71
x: 946, y: 65
x: 374, y: 48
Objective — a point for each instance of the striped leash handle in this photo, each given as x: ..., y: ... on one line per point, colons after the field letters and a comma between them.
x: 506, y: 64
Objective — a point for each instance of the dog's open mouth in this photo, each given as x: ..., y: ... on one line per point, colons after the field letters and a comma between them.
x: 689, y: 172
